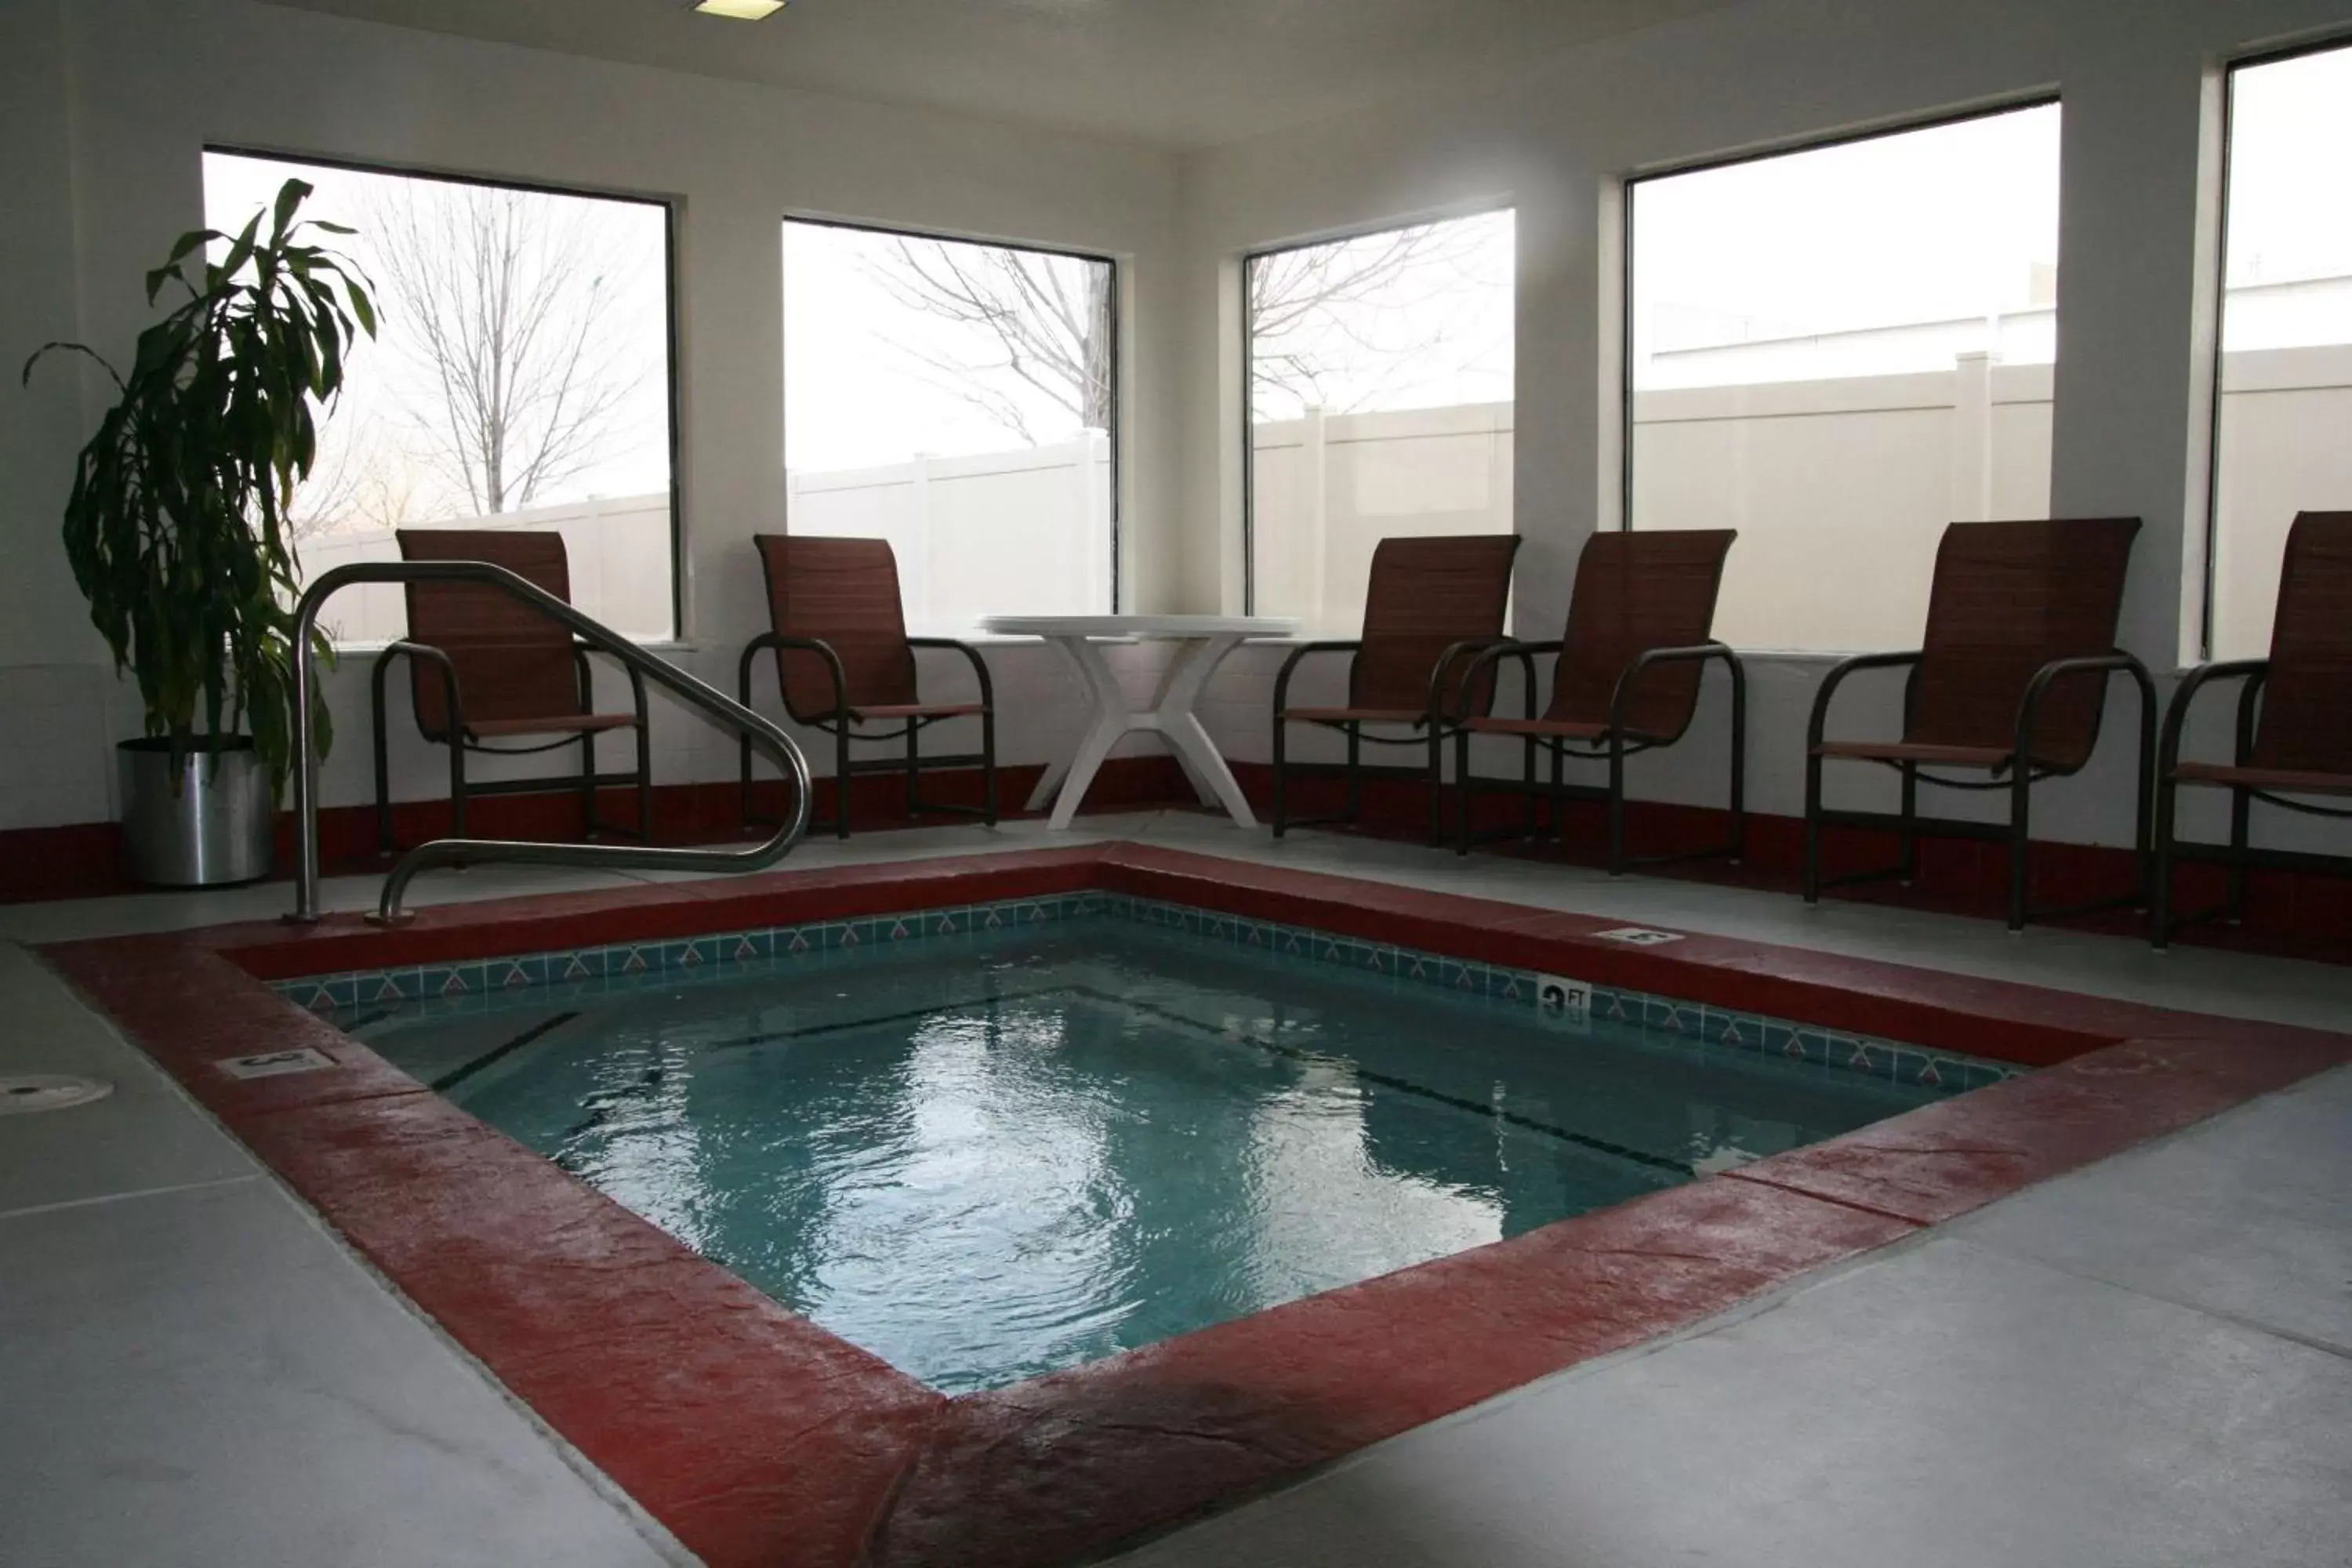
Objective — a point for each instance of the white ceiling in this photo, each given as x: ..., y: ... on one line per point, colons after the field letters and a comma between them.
x: 1185, y: 73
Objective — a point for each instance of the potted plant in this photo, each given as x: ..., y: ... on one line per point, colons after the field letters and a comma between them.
x: 176, y: 531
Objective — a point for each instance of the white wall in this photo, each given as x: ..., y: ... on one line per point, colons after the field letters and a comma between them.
x: 106, y: 104
x: 2132, y: 393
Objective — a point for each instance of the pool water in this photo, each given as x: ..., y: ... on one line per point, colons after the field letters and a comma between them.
x: 992, y: 1156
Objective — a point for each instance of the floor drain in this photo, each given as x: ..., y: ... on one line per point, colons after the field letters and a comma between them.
x: 1638, y: 936
x: 23, y: 1095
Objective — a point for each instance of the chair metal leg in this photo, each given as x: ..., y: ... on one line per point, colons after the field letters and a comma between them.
x: 645, y: 780
x: 589, y: 826
x: 1812, y: 872
x: 1436, y: 786
x: 1910, y: 828
x: 1528, y: 784
x: 2160, y: 892
x: 456, y: 784
x: 2241, y: 807
x: 987, y: 760
x: 914, y: 770
x: 1616, y: 803
x: 1279, y: 817
x: 841, y: 780
x: 1355, y: 777
x: 1738, y: 761
x: 1462, y: 792
x: 1558, y: 798
x: 383, y: 844
x: 2021, y: 804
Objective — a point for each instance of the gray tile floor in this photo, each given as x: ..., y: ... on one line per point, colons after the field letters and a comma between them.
x: 195, y: 1373
x: 2143, y: 1363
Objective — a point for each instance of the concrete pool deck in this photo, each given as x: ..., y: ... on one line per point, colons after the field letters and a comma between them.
x: 182, y: 1435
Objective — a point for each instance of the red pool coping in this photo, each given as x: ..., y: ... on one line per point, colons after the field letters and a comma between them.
x: 758, y: 1439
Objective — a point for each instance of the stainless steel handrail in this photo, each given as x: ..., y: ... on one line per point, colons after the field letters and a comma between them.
x: 449, y: 851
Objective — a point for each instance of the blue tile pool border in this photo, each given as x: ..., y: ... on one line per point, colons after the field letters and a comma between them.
x: 619, y: 967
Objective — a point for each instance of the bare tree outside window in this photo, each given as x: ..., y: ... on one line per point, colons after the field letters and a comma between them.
x: 1373, y: 322
x: 1380, y: 390
x: 519, y: 379
x: 509, y: 300
x: 1041, y: 318
x: 957, y: 399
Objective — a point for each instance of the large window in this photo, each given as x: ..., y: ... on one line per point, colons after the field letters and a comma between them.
x: 1380, y: 402
x: 1838, y: 352
x: 2285, y: 417
x: 520, y: 378
x: 961, y: 401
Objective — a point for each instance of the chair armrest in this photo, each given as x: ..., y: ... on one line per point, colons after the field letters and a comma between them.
x: 1836, y: 678
x: 580, y: 652
x: 979, y: 665
x: 1696, y: 653
x: 1282, y: 680
x: 430, y: 655
x: 778, y: 642
x: 1495, y: 653
x: 1437, y: 708
x: 2254, y: 671
x: 2117, y: 662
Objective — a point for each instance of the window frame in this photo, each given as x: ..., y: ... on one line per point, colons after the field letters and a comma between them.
x: 1629, y: 190
x: 2335, y: 43
x: 671, y: 356
x: 1116, y: 325
x: 1249, y: 260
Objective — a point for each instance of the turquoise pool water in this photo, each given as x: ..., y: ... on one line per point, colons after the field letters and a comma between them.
x: 991, y: 1156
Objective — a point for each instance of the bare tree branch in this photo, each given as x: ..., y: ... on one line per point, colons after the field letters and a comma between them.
x: 1320, y: 314
x: 506, y: 298
x: 1047, y: 318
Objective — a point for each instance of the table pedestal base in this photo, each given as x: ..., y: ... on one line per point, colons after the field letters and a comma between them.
x: 1170, y: 715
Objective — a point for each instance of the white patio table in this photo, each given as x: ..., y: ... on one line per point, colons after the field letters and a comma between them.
x: 1205, y: 640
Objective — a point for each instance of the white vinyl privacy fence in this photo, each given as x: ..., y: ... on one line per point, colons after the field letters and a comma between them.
x: 620, y: 556
x: 1005, y: 533
x: 1840, y: 489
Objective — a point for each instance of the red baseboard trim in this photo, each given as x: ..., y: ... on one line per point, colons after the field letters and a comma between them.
x: 2302, y: 914
x: 759, y: 1438
x: 2293, y: 913
x: 84, y: 860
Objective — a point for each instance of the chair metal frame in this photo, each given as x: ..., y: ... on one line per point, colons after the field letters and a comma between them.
x: 1621, y: 744
x: 2239, y: 855
x: 587, y: 781
x: 2024, y: 774
x: 841, y: 722
x: 1435, y: 719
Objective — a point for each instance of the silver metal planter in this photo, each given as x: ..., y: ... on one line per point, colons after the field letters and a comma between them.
x: 215, y: 828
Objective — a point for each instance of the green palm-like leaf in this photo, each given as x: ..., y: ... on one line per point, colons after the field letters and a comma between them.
x: 175, y: 527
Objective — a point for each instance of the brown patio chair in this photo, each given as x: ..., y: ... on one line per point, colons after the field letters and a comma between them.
x: 843, y: 661
x: 485, y: 667
x: 2012, y: 681
x: 1432, y: 606
x: 2294, y: 720
x: 1626, y: 681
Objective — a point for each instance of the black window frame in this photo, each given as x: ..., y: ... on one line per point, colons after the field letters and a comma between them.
x: 2337, y: 43
x: 670, y: 346
x: 1249, y: 260
x: 1629, y: 190
x: 1117, y: 326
